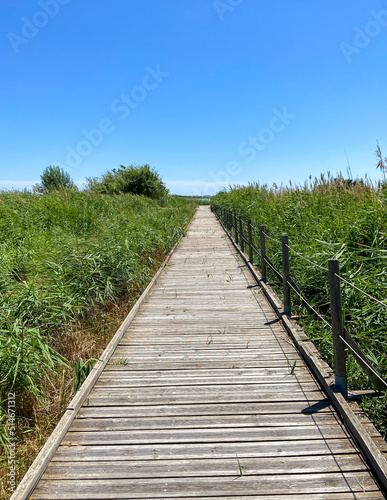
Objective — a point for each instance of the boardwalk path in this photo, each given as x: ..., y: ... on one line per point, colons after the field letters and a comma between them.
x: 200, y: 388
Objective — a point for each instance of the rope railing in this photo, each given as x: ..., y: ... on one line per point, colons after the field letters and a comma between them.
x: 257, y: 231
x: 271, y: 265
x: 307, y: 260
x: 310, y: 306
x: 362, y: 291
x: 271, y: 238
x: 294, y: 251
x: 342, y: 340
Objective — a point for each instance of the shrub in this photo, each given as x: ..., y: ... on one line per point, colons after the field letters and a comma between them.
x: 53, y: 179
x: 142, y: 180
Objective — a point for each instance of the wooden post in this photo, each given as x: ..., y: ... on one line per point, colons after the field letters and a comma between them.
x: 236, y: 229
x: 251, y: 258
x: 337, y: 327
x: 241, y: 233
x: 263, y: 252
x: 286, y: 274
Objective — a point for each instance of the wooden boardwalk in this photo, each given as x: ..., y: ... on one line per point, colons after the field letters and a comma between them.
x: 201, y: 389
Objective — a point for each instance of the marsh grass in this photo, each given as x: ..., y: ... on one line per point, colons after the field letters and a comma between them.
x: 329, y: 218
x: 71, y: 266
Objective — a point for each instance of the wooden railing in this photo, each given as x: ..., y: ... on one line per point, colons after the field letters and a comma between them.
x: 242, y: 233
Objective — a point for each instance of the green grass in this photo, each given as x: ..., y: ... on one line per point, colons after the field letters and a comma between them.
x: 329, y: 218
x: 71, y: 266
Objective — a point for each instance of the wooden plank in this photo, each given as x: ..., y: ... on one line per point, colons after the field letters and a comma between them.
x: 213, y: 354
x: 311, y: 407
x: 126, y: 423
x: 181, y: 397
x: 131, y: 381
x: 214, y: 391
x: 129, y: 363
x: 205, y: 468
x: 159, y: 488
x: 174, y: 451
x: 203, y: 435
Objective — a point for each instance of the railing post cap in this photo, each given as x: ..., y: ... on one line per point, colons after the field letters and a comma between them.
x: 333, y: 264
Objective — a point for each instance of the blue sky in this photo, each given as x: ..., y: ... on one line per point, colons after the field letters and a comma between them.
x: 208, y: 92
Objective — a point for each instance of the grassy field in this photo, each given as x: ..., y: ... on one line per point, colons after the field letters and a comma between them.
x: 71, y: 266
x: 330, y: 218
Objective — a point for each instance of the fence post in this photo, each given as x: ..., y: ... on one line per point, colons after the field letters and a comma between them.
x: 286, y: 273
x: 337, y: 327
x: 241, y: 233
x: 251, y: 258
x: 263, y: 252
x: 236, y: 229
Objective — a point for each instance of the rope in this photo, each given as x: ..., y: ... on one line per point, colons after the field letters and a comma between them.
x: 272, y: 239
x: 360, y: 290
x: 309, y: 305
x: 307, y: 260
x: 279, y: 275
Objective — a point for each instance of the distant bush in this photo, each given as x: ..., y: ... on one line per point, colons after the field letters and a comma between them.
x: 141, y: 180
x: 53, y: 179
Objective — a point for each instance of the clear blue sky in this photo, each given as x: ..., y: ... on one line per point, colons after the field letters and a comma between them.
x: 208, y: 92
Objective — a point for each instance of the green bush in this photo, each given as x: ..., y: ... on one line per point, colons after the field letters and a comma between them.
x: 53, y: 179
x: 142, y: 180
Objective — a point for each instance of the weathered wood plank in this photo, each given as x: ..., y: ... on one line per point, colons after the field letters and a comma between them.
x: 312, y: 407
x: 208, y: 450
x: 129, y: 363
x: 128, y: 381
x: 205, y: 468
x: 110, y: 423
x: 203, y: 435
x: 157, y: 488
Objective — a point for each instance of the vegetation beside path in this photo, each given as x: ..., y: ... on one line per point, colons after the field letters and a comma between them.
x: 330, y: 218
